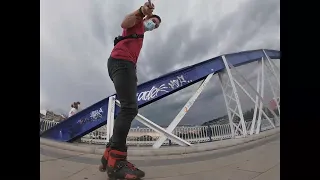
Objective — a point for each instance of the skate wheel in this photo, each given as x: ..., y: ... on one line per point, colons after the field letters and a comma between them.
x: 112, y: 178
x: 101, y: 169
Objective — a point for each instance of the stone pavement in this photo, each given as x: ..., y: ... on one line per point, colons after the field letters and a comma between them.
x: 258, y: 161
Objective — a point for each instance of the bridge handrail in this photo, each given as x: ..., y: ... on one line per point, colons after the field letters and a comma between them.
x: 147, y: 137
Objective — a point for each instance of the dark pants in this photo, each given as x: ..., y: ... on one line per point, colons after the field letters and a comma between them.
x: 124, y: 77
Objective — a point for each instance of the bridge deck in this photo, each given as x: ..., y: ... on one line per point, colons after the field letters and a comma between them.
x: 255, y: 161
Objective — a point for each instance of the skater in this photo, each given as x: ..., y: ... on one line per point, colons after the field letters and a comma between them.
x: 122, y: 71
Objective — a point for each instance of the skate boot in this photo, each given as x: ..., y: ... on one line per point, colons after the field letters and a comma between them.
x: 104, y: 159
x: 120, y: 169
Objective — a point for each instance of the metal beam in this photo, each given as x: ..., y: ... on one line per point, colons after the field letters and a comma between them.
x: 182, y: 112
x: 256, y: 102
x: 159, y: 129
x: 227, y: 104
x: 110, y: 118
x: 273, y: 67
x: 234, y: 89
x: 255, y: 91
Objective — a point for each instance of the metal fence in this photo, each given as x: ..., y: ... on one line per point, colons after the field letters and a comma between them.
x: 147, y: 136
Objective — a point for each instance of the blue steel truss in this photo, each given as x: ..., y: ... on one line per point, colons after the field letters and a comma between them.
x: 96, y: 115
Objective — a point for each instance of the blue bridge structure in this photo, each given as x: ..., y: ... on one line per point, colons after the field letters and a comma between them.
x: 99, y: 113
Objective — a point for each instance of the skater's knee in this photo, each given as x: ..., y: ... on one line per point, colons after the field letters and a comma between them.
x: 130, y: 112
x: 130, y: 108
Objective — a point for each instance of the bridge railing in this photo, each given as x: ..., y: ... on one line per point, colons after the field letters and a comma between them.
x: 147, y: 137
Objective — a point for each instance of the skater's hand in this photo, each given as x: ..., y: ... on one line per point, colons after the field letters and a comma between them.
x: 148, y: 8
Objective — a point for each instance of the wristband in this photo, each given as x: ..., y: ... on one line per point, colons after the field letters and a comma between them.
x: 140, y: 11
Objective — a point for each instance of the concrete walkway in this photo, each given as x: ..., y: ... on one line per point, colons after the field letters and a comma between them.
x: 252, y: 161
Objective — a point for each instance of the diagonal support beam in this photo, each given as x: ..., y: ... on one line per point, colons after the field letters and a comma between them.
x: 273, y: 67
x: 269, y: 60
x: 255, y: 91
x: 275, y: 96
x: 182, y: 112
x: 110, y: 121
x: 159, y: 129
x: 261, y: 103
x: 256, y: 102
x: 234, y: 89
x: 251, y: 98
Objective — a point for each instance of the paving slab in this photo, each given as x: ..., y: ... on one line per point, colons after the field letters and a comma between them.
x: 258, y: 163
x: 222, y: 174
x: 263, y: 161
x: 273, y: 173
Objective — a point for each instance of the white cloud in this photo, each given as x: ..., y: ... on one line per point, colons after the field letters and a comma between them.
x: 76, y: 38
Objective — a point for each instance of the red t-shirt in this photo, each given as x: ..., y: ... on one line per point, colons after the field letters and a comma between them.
x: 129, y: 49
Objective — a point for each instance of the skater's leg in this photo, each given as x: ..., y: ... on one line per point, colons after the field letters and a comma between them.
x: 123, y: 75
x: 104, y: 158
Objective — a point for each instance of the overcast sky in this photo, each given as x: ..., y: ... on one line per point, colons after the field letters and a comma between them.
x: 76, y: 38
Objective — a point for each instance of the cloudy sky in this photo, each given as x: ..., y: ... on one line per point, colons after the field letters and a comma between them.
x: 76, y: 38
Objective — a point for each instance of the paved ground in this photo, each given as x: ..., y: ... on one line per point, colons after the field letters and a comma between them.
x: 258, y: 161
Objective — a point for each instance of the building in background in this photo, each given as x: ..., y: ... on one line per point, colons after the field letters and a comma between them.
x: 51, y: 116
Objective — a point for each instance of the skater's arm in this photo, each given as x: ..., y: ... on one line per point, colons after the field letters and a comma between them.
x: 131, y: 19
x: 135, y: 17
